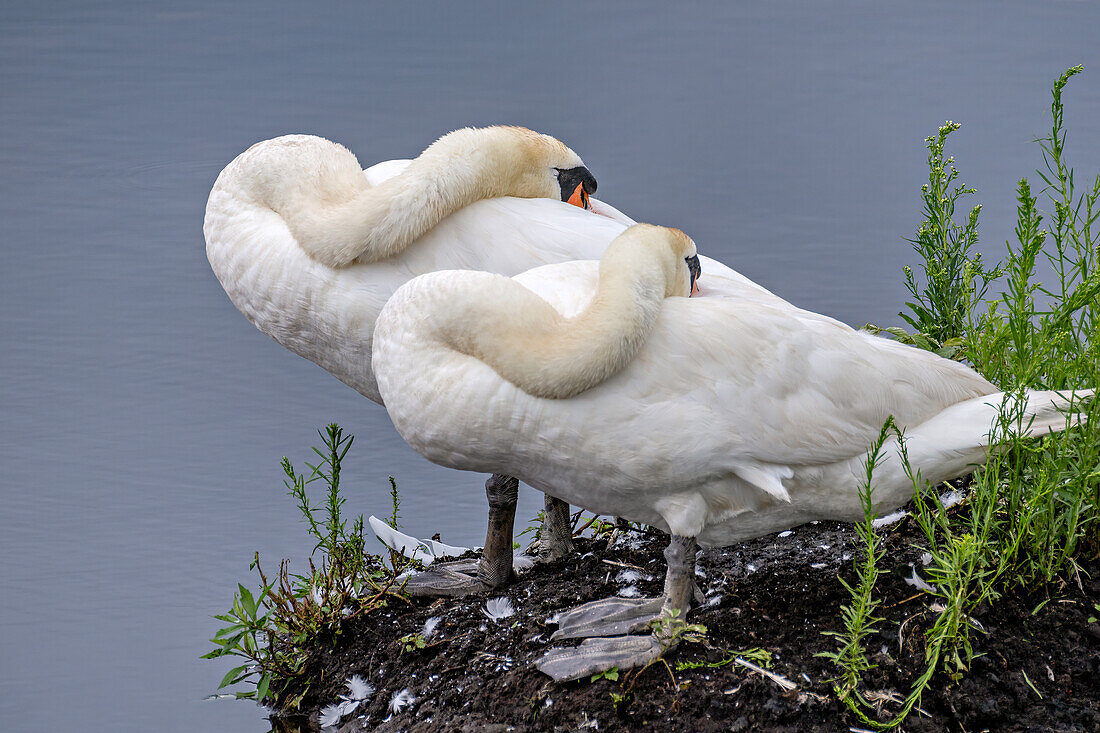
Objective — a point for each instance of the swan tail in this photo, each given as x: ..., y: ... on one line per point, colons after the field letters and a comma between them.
x: 1035, y: 413
x: 958, y: 439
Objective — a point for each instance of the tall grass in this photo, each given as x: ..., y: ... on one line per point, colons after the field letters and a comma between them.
x: 1033, y: 508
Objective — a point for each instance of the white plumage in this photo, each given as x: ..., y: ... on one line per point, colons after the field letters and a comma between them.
x: 309, y: 247
x: 740, y: 415
x: 272, y: 198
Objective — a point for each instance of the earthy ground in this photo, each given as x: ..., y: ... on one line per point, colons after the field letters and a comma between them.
x: 776, y: 592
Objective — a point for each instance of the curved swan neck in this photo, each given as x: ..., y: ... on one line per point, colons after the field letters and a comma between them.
x: 337, y: 217
x: 546, y: 355
x: 376, y: 223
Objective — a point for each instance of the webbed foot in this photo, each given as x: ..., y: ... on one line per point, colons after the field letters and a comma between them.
x: 451, y: 579
x: 621, y: 616
x: 599, y: 655
x: 608, y: 617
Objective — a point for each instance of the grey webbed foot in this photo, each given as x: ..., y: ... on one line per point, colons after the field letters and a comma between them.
x: 622, y: 615
x: 599, y: 655
x: 452, y: 579
x: 494, y: 569
x: 608, y: 617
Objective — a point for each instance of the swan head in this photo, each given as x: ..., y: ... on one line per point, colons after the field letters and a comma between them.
x: 524, y: 163
x: 666, y: 252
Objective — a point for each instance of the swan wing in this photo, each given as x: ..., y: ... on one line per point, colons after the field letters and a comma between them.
x: 385, y: 170
x: 788, y: 387
x: 743, y: 374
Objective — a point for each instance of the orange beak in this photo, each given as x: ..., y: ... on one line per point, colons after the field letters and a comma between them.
x: 580, y: 197
x: 695, y: 288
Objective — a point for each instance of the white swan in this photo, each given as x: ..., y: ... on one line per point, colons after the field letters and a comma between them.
x: 717, y: 418
x: 309, y: 247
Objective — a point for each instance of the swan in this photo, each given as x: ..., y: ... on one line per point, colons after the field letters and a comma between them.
x: 309, y: 246
x: 716, y: 418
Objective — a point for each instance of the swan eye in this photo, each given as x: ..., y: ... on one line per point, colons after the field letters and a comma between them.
x: 576, y: 185
x: 694, y: 270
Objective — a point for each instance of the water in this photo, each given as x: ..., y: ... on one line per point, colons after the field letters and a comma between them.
x: 143, y: 417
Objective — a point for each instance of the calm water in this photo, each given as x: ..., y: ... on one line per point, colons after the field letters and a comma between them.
x: 143, y: 418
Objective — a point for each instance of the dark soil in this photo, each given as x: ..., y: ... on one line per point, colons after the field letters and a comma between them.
x: 1038, y: 669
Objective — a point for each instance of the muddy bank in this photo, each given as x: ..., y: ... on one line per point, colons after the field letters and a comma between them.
x: 1039, y: 667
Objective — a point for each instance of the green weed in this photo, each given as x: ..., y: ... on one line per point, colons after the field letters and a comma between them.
x: 859, y: 616
x: 608, y: 674
x: 756, y: 655
x: 413, y: 642
x: 273, y: 628
x: 1033, y: 508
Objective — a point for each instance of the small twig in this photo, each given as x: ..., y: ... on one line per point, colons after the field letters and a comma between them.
x: 901, y: 628
x: 910, y: 598
x: 780, y: 680
x: 673, y: 677
x: 587, y: 525
x: 622, y: 564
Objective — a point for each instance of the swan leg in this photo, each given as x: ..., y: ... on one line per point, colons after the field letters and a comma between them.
x: 556, y: 538
x: 680, y: 575
x: 496, y: 560
x: 465, y: 577
x: 624, y: 652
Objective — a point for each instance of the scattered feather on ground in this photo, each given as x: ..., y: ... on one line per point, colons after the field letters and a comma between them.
x: 499, y: 608
x: 919, y: 583
x: 630, y: 576
x: 401, y: 700
x: 430, y: 626
x: 889, y: 519
x: 359, y: 688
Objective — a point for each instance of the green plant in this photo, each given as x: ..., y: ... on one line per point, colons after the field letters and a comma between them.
x: 399, y: 563
x: 395, y: 504
x: 859, y: 616
x: 274, y: 628
x: 247, y: 637
x: 756, y: 655
x: 1033, y: 508
x: 954, y: 277
x: 670, y: 629
x: 607, y: 674
x: 413, y: 642
x: 535, y: 527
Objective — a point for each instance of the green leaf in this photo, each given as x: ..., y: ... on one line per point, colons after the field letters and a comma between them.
x: 261, y: 688
x: 231, y: 677
x: 248, y: 601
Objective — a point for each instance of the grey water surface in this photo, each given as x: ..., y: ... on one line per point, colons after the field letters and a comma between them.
x: 143, y: 418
